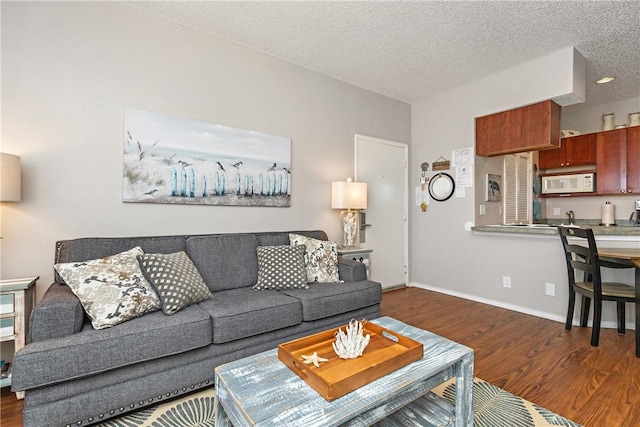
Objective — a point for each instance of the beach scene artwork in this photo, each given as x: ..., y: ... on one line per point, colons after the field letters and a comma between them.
x: 170, y: 159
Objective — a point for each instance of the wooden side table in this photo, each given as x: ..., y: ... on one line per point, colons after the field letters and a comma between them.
x: 17, y: 298
x: 358, y: 254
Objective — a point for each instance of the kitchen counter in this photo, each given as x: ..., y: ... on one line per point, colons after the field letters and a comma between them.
x: 544, y: 229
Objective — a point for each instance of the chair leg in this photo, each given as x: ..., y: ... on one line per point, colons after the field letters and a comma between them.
x: 584, y: 311
x: 621, y: 317
x: 597, y: 315
x: 570, y: 309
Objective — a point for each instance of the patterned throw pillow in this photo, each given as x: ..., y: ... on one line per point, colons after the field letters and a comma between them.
x: 176, y: 280
x: 111, y: 289
x: 281, y: 267
x: 320, y: 258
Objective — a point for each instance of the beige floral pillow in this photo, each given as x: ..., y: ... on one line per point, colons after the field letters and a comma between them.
x: 112, y: 289
x: 320, y: 258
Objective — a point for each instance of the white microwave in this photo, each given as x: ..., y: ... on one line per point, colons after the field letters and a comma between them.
x: 571, y: 183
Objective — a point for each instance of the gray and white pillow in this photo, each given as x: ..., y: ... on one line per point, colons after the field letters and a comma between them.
x: 112, y: 289
x: 281, y: 267
x: 320, y: 258
x: 176, y: 279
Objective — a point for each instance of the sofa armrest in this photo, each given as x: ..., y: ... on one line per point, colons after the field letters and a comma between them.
x: 350, y: 270
x: 59, y: 314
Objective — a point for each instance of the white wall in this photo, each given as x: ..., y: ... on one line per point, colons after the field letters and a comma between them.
x: 589, y: 119
x: 69, y: 70
x: 446, y: 256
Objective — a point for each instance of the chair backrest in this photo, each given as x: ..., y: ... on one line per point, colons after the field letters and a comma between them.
x: 581, y: 255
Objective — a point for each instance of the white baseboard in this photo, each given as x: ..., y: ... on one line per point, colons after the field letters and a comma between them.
x: 513, y: 307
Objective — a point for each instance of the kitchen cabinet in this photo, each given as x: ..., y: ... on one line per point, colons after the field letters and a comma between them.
x: 618, y: 161
x: 574, y: 151
x: 633, y: 160
x: 529, y: 128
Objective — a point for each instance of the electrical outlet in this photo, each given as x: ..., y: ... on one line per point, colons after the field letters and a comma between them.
x: 506, y: 281
x: 556, y: 211
x: 483, y: 209
x: 550, y: 289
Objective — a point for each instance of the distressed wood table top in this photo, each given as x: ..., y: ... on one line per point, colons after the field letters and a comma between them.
x: 261, y: 391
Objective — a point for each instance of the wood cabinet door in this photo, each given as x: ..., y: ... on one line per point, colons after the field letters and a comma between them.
x: 611, y: 161
x: 633, y: 160
x: 490, y: 133
x: 529, y: 128
x: 550, y: 159
x: 580, y: 150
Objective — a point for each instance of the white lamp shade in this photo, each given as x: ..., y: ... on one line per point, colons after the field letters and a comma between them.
x: 348, y: 195
x: 9, y: 178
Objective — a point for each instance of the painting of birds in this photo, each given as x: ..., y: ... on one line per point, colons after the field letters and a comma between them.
x: 140, y: 152
x: 495, y: 187
x: 186, y: 161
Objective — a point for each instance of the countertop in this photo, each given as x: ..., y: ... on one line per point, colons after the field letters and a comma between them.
x: 542, y: 229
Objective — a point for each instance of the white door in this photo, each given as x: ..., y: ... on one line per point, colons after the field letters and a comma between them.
x: 383, y: 166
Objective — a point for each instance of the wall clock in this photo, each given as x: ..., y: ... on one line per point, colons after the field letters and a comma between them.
x: 441, y: 187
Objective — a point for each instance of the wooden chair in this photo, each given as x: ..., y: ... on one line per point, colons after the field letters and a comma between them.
x: 585, y: 259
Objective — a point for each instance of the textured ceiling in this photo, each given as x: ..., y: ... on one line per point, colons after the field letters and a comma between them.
x: 410, y: 50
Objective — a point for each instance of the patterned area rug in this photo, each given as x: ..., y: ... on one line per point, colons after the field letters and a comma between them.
x: 492, y: 407
x: 495, y: 407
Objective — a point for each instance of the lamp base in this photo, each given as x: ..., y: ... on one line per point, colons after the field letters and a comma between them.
x: 350, y: 223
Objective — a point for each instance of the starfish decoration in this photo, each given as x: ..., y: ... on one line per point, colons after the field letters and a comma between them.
x: 314, y: 358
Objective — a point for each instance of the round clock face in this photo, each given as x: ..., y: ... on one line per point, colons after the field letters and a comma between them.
x: 441, y: 187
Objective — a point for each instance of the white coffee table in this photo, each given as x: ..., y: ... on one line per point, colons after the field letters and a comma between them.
x: 260, y: 390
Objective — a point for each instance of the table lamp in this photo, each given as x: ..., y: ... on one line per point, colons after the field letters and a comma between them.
x: 9, y: 178
x: 351, y: 196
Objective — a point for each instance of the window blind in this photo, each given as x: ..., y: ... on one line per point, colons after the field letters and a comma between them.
x: 517, y: 197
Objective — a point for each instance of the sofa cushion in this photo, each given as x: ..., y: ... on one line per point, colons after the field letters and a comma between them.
x: 152, y: 336
x: 241, y: 313
x: 225, y: 262
x: 99, y: 247
x: 320, y: 258
x: 281, y: 267
x: 175, y: 279
x: 112, y: 289
x: 329, y: 299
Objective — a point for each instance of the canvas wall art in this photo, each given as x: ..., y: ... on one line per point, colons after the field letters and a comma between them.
x: 171, y: 159
x: 493, y: 184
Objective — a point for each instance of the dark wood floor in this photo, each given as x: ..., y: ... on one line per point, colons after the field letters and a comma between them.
x: 528, y: 356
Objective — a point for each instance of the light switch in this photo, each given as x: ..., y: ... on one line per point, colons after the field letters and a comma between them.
x: 483, y: 209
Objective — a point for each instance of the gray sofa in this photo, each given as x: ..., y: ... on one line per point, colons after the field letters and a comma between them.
x: 73, y: 374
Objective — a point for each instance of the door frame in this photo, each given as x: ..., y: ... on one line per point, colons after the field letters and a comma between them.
x: 405, y: 148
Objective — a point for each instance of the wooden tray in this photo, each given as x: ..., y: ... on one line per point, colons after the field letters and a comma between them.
x: 387, y: 351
